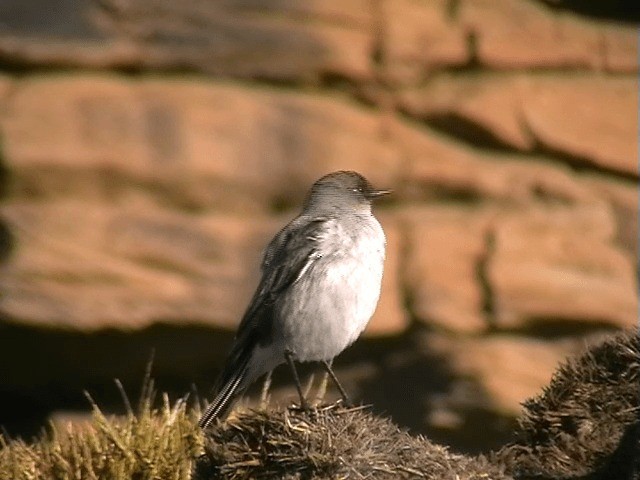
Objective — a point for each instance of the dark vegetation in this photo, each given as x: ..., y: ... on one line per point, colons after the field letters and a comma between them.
x: 585, y: 425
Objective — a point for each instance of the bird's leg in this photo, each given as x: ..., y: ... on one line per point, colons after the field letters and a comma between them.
x: 290, y: 357
x: 322, y: 388
x: 264, y: 395
x: 306, y: 391
x: 345, y: 397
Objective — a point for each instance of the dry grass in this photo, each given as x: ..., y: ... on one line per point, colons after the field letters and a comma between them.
x: 165, y: 443
x: 586, y: 422
x: 148, y: 444
x: 585, y: 425
x: 330, y: 442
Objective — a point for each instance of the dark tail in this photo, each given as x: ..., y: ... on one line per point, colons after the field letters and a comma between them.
x: 230, y: 386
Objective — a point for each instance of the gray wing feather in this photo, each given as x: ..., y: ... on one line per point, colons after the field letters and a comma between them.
x: 286, y: 259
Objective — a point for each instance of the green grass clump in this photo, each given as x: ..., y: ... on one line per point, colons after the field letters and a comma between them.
x: 152, y: 443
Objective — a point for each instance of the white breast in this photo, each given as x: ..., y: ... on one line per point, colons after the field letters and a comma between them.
x: 330, y: 306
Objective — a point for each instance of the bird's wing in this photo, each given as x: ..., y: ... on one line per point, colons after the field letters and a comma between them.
x: 289, y: 255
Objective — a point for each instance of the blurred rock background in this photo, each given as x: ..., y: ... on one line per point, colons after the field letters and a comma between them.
x: 150, y: 149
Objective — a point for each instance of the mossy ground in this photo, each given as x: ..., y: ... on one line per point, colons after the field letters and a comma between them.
x: 584, y: 425
x: 329, y: 442
x: 151, y: 443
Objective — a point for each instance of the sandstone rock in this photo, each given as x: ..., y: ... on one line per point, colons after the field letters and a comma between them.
x: 438, y: 167
x: 447, y: 250
x: 232, y: 38
x: 88, y: 266
x: 592, y: 120
x: 588, y: 121
x: 76, y: 121
x: 481, y: 108
x: 505, y: 369
x: 333, y: 39
x: 514, y: 34
x: 621, y: 49
x: 419, y: 37
x: 471, y: 268
x: 197, y: 144
x: 5, y: 88
x: 349, y: 13
x: 624, y: 197
x: 559, y: 264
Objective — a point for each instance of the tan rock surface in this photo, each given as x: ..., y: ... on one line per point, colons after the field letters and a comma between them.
x: 589, y: 120
x: 447, y: 248
x: 624, y: 198
x: 419, y: 37
x: 558, y: 264
x: 88, y: 266
x: 490, y: 103
x: 229, y: 38
x: 507, y: 369
x: 436, y: 166
x: 333, y: 39
x: 178, y: 141
x: 621, y: 49
x: 5, y: 87
x: 594, y: 120
x: 525, y: 34
x: 137, y: 198
x: 199, y: 144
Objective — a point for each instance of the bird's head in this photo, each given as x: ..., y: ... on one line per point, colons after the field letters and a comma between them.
x: 343, y: 190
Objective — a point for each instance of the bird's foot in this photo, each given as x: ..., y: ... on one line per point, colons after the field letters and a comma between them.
x: 305, y: 408
x: 346, y: 402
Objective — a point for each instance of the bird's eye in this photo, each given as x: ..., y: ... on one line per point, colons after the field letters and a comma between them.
x: 358, y: 190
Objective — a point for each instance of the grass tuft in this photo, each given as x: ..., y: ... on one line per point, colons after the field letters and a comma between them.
x: 585, y: 425
x: 152, y: 443
x: 586, y: 422
x: 330, y: 442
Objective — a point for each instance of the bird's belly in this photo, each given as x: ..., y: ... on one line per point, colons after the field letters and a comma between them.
x: 327, y: 310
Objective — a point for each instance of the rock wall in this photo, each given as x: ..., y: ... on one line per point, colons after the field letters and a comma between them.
x: 150, y: 149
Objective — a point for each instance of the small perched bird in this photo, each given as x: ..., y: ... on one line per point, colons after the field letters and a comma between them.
x: 321, y: 277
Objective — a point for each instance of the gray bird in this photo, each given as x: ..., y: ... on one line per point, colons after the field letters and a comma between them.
x: 321, y: 277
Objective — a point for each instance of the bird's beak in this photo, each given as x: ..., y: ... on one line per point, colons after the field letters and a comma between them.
x: 378, y: 193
